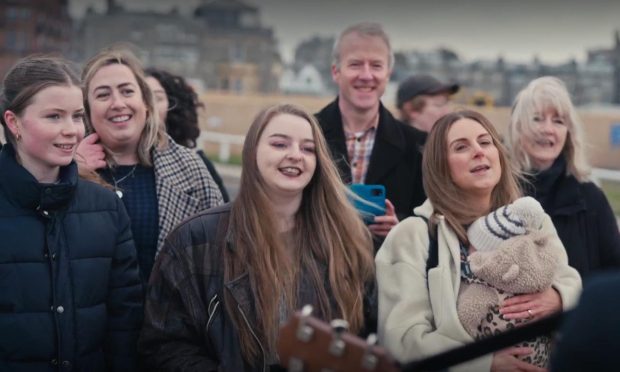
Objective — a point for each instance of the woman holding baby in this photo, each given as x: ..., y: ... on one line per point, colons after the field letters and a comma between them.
x: 467, y: 176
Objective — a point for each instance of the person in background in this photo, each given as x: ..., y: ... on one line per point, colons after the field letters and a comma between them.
x: 367, y: 143
x: 546, y: 142
x: 422, y: 100
x: 467, y: 174
x: 588, y: 341
x: 227, y: 278
x: 160, y: 182
x: 177, y: 104
x: 70, y: 292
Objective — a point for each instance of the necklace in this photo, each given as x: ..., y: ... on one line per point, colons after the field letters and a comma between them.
x: 117, y: 182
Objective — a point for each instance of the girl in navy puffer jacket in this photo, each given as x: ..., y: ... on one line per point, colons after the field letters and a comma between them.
x: 70, y: 293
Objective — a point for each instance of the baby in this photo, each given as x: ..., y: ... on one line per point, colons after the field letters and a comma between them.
x: 513, y: 256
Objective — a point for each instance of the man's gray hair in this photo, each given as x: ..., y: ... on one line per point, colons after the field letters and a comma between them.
x: 369, y: 29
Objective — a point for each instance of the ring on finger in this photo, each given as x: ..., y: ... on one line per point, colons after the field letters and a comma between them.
x: 529, y: 311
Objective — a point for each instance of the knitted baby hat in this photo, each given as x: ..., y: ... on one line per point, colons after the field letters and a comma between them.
x: 522, y: 216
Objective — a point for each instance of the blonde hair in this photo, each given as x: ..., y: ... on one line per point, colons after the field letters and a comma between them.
x: 327, y: 231
x: 539, y: 95
x: 441, y: 190
x: 153, y: 134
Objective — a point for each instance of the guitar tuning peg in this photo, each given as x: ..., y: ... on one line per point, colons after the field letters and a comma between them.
x: 304, y: 331
x: 336, y: 347
x: 370, y: 360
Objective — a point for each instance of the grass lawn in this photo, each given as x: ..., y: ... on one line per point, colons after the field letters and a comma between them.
x: 233, y: 160
x: 612, y: 191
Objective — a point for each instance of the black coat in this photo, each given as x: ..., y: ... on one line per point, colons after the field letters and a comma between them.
x: 187, y: 326
x: 395, y: 161
x: 589, y: 339
x: 582, y: 216
x: 70, y: 294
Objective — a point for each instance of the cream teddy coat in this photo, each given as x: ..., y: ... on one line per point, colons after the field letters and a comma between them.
x: 418, y: 320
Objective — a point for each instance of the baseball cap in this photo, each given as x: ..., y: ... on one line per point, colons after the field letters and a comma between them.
x: 422, y: 84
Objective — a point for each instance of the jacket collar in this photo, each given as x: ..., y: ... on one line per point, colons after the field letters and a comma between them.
x: 386, y: 153
x: 559, y: 193
x: 21, y: 186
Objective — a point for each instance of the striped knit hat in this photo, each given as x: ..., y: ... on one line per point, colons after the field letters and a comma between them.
x: 519, y: 218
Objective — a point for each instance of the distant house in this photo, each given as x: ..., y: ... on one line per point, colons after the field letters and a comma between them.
x: 306, y: 80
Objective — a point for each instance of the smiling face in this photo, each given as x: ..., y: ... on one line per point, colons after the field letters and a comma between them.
x: 49, y: 129
x: 117, y: 108
x: 160, y: 97
x: 285, y: 155
x: 473, y: 158
x: 548, y: 139
x: 363, y: 73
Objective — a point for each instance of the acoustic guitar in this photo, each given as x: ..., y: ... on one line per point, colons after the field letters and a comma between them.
x: 308, y: 344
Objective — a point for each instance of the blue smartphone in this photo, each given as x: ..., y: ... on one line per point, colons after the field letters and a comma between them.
x: 370, y: 201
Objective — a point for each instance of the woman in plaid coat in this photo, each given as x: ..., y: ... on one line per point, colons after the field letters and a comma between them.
x: 160, y: 182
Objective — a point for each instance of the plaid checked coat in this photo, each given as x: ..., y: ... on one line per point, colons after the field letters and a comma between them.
x: 184, y: 187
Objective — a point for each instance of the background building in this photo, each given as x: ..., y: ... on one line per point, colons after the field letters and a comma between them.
x: 32, y: 26
x: 221, y: 46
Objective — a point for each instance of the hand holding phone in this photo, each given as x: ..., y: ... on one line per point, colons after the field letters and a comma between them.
x: 369, y: 200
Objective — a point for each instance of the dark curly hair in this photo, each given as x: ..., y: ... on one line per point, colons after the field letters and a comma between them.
x: 182, y: 118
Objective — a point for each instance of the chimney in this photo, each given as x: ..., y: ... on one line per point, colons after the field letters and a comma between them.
x: 111, y: 6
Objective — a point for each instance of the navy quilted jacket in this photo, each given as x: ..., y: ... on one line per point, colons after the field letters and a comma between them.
x: 70, y: 294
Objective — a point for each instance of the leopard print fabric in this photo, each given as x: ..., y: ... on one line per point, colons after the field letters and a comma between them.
x: 494, y: 322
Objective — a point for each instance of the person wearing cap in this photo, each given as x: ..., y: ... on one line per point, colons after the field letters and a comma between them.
x: 367, y: 143
x: 422, y: 100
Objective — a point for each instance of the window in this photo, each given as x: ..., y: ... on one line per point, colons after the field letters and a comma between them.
x: 16, y: 41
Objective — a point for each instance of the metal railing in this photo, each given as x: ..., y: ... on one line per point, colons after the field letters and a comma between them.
x: 223, y: 139
x: 600, y: 174
x: 226, y: 140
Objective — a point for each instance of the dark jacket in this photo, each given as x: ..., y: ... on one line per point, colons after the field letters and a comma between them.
x: 216, y: 176
x: 70, y: 294
x: 589, y: 339
x: 395, y: 161
x: 187, y: 326
x: 582, y: 216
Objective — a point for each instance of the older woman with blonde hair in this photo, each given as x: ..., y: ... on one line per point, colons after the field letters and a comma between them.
x: 547, y: 143
x: 227, y: 278
x: 467, y: 174
x: 160, y: 182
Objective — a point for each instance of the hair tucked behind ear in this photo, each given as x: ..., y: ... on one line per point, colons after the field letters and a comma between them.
x: 28, y: 77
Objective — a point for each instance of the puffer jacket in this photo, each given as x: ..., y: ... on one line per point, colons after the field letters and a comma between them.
x: 70, y: 293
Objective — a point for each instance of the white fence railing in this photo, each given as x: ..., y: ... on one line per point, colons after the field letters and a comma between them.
x: 226, y: 140
x: 223, y: 139
x: 600, y: 174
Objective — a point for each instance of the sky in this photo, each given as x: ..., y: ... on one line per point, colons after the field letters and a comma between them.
x: 517, y: 30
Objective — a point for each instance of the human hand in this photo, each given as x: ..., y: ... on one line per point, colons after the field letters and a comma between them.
x: 383, y: 224
x: 506, y: 360
x: 532, y: 306
x: 90, y: 154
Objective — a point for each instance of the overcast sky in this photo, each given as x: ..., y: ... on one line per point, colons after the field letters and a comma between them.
x: 518, y: 30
